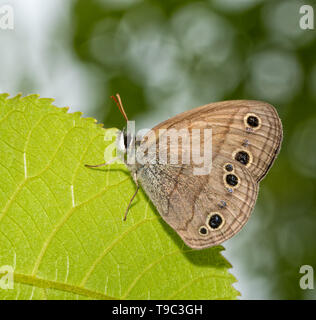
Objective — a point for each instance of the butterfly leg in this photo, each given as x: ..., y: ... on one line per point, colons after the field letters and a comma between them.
x: 134, y: 195
x: 102, y: 164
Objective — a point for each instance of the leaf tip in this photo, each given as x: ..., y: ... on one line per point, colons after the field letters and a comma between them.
x: 4, y: 96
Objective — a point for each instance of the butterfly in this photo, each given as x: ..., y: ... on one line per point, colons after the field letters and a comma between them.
x: 206, y: 210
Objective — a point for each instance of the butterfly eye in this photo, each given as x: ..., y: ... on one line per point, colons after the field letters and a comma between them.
x: 252, y: 121
x: 232, y: 180
x: 125, y: 141
x: 242, y: 157
x: 229, y: 167
x: 215, y: 221
x: 203, y: 231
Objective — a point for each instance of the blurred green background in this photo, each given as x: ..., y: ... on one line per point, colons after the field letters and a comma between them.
x: 165, y: 57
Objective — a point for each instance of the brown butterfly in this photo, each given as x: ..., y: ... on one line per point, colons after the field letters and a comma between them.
x: 206, y: 210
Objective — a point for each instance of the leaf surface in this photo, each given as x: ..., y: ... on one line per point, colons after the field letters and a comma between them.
x: 61, y: 227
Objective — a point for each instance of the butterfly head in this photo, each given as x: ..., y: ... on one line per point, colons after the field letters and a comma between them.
x: 124, y: 141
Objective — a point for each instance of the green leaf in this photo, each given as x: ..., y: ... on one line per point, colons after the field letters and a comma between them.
x: 61, y: 227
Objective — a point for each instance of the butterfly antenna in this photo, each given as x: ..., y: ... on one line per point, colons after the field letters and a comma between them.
x: 118, y: 101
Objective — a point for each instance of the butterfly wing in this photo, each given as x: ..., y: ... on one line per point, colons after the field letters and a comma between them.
x: 206, y: 210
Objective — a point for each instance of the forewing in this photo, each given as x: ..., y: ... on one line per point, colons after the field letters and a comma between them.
x: 246, y: 137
